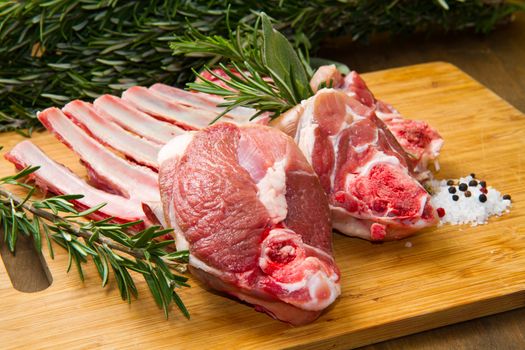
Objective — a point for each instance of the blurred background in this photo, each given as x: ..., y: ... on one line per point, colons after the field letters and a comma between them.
x: 54, y: 51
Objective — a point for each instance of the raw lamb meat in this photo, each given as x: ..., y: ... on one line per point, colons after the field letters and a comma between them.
x: 165, y: 103
x: 248, y: 206
x: 57, y: 179
x: 158, y: 106
x: 114, y: 109
x: 203, y: 101
x: 106, y: 170
x: 326, y: 76
x: 365, y: 172
x: 419, y: 140
x: 110, y: 134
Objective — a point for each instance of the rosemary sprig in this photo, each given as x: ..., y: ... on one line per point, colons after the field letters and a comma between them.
x: 263, y: 69
x: 59, y: 50
x: 109, y: 245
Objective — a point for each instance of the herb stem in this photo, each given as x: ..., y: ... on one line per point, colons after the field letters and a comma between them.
x: 112, y: 247
x: 11, y: 199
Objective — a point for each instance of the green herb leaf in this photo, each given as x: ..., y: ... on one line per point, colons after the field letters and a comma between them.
x: 282, y: 60
x: 105, y: 242
x: 317, y: 62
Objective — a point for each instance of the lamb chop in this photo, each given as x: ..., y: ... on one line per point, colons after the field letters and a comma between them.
x: 248, y: 206
x: 106, y: 170
x: 131, y: 119
x: 363, y: 169
x: 56, y: 178
x: 419, y: 140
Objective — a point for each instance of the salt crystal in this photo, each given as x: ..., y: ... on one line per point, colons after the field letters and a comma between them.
x: 467, y: 210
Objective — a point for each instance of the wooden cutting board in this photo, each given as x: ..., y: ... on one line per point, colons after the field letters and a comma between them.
x: 449, y: 274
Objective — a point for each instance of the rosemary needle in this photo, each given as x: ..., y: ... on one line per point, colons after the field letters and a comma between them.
x: 264, y: 71
x: 109, y: 245
x: 60, y: 50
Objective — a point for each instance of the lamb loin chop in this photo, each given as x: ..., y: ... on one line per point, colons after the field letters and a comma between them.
x: 251, y: 211
x: 419, y: 140
x: 363, y: 169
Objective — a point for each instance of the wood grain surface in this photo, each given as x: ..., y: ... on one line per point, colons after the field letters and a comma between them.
x: 497, y: 61
x: 450, y: 274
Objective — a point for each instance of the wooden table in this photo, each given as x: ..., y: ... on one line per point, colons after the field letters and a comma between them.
x: 498, y: 61
x: 495, y: 60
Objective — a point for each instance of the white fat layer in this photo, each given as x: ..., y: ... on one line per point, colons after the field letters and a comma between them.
x: 379, y: 158
x: 436, y: 165
x: 272, y: 191
x: 435, y: 147
x: 196, y: 262
x: 422, y: 203
x: 180, y: 240
x: 306, y: 118
x: 349, y: 225
x: 314, y: 282
x: 176, y: 147
x: 156, y: 209
x: 307, y: 140
x: 335, y: 143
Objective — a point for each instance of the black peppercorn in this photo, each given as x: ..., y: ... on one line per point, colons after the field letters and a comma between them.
x: 473, y: 183
x: 473, y: 175
x: 463, y: 186
x: 468, y: 193
x: 451, y: 190
x: 450, y: 182
x: 455, y: 197
x: 506, y: 196
x: 482, y: 198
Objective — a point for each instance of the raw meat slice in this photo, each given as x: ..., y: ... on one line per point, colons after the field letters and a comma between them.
x: 365, y: 172
x: 106, y: 170
x: 326, y: 76
x: 160, y: 107
x: 420, y: 140
x: 203, y: 101
x: 214, y: 79
x: 248, y: 206
x: 110, y: 134
x: 58, y: 179
x: 114, y: 109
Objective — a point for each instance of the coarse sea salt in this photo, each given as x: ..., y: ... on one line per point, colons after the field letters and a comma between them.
x: 467, y: 210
